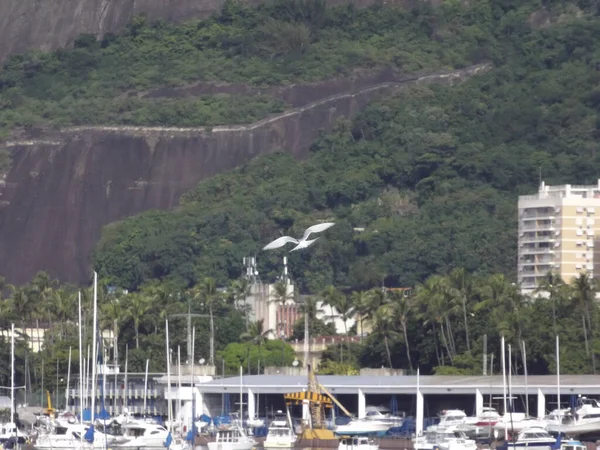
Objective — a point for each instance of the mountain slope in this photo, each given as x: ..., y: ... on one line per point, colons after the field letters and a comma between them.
x: 432, y: 175
x: 100, y: 132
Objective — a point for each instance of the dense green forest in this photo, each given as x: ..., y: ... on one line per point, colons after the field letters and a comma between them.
x: 281, y: 42
x: 419, y: 184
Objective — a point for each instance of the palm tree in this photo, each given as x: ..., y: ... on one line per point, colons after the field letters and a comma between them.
x: 138, y: 305
x: 377, y: 297
x: 461, y: 291
x: 163, y: 304
x: 280, y: 296
x: 362, y: 306
x: 553, y: 285
x: 21, y: 304
x: 6, y: 310
x: 384, y: 330
x: 402, y: 307
x: 240, y: 290
x: 62, y: 306
x: 345, y: 308
x: 432, y: 299
x: 257, y: 335
x: 584, y: 292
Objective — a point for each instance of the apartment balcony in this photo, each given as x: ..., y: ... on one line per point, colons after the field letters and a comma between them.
x: 536, y: 251
x: 533, y: 239
x: 535, y: 217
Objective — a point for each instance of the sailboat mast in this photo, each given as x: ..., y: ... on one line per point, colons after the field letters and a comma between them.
x: 526, y: 384
x: 12, y: 376
x: 510, y: 397
x: 193, y: 383
x: 502, y: 351
x: 168, y: 378
x: 242, y: 396
x: 179, y: 383
x: 80, y: 366
x: 558, y: 376
x: 87, y: 378
x: 146, y: 387
x: 125, y: 388
x: 68, y: 380
x: 94, y: 348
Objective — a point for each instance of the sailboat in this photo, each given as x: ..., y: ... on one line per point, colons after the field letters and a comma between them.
x: 9, y: 432
x: 234, y: 437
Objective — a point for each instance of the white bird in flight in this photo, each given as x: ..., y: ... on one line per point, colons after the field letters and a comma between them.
x: 303, y: 242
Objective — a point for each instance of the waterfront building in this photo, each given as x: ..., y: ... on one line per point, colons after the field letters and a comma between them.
x: 557, y: 233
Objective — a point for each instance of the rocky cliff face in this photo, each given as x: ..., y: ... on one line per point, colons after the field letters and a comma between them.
x: 50, y: 24
x: 65, y: 185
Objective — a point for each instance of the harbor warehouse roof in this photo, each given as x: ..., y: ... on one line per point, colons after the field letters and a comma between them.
x: 405, y: 384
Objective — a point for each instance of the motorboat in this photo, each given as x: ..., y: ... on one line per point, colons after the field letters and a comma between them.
x: 515, y: 423
x: 67, y: 435
x: 580, y: 421
x: 377, y: 421
x: 142, y: 435
x: 10, y: 430
x: 357, y: 443
x: 364, y: 426
x: 281, y: 433
x: 451, y: 418
x: 572, y: 444
x: 488, y: 417
x: 482, y: 425
x: 232, y: 437
x: 445, y: 438
x: 536, y: 438
x: 382, y: 414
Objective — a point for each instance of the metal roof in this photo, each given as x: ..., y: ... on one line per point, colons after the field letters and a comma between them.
x: 407, y: 384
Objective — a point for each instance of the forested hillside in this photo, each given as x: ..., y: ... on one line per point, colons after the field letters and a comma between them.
x: 419, y: 184
x: 98, y: 82
x: 423, y: 182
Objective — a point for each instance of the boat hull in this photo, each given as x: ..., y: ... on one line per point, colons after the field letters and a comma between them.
x: 244, y: 445
x: 362, y: 429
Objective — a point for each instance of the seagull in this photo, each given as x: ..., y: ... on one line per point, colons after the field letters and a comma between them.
x: 302, y: 243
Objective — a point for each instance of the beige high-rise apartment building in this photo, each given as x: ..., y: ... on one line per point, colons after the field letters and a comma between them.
x: 558, y: 232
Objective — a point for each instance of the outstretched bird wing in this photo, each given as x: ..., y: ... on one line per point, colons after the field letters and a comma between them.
x: 280, y: 242
x: 304, y: 244
x: 316, y: 229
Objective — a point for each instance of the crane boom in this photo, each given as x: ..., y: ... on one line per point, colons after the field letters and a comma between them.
x: 335, y: 400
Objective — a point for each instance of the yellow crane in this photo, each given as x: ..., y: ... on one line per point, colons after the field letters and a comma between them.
x: 49, y: 411
x: 319, y: 400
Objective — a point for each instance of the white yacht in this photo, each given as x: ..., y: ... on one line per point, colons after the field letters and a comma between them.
x: 377, y: 421
x: 65, y: 435
x: 10, y: 430
x: 531, y: 438
x: 364, y: 426
x: 445, y: 438
x: 142, y: 435
x: 232, y: 438
x: 382, y: 414
x: 585, y: 419
x: 357, y: 443
x: 281, y: 433
x: 571, y: 444
x: 515, y: 423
